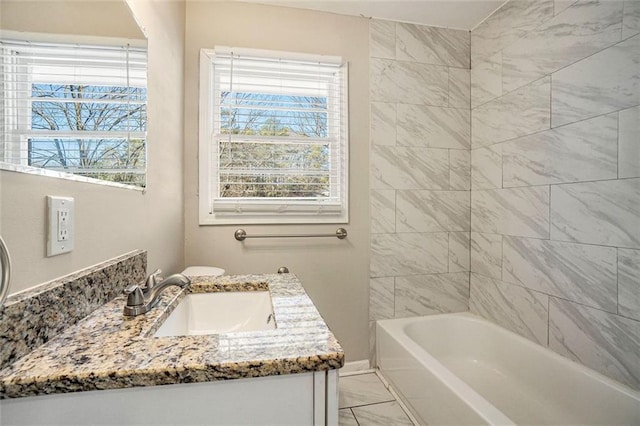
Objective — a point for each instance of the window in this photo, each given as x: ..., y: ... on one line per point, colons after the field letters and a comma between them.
x: 273, y: 137
x: 77, y: 109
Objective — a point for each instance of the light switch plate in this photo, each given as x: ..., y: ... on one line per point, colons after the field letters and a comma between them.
x: 60, y: 235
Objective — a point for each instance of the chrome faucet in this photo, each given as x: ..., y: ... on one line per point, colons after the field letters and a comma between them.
x: 141, y: 300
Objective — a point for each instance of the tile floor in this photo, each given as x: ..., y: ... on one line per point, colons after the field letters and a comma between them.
x: 365, y: 401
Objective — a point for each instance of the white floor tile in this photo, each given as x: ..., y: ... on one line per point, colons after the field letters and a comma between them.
x: 362, y: 390
x: 346, y: 418
x: 384, y: 414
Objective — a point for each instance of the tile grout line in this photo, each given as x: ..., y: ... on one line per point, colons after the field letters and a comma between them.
x: 618, y: 144
x: 548, y: 320
x: 470, y: 177
x: 354, y: 416
x: 539, y: 185
x: 562, y: 298
x: 359, y: 372
x: 621, y: 21
x: 369, y: 404
x: 622, y: 40
x: 397, y: 398
x: 617, y: 280
x: 549, y: 217
x: 394, y: 398
x: 560, y: 126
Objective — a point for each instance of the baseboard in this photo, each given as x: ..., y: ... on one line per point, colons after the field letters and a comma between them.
x: 355, y: 367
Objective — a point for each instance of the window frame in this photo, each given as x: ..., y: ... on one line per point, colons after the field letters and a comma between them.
x: 266, y: 211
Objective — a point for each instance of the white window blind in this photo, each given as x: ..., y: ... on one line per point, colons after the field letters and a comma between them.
x: 277, y: 137
x: 77, y: 109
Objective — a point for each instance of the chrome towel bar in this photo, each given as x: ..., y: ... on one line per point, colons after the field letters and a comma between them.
x: 241, y: 235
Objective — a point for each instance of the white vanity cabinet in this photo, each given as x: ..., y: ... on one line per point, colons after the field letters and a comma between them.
x: 292, y: 399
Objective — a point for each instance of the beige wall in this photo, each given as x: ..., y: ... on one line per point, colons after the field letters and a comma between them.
x: 334, y: 273
x: 111, y: 221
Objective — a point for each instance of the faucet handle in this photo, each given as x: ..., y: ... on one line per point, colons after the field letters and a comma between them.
x: 153, y: 279
x: 134, y: 294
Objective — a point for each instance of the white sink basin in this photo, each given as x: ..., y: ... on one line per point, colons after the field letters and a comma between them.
x: 222, y: 312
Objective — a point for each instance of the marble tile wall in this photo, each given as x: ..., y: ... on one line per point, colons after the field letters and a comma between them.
x: 420, y: 173
x: 579, y: 31
x: 576, y: 97
x: 630, y: 18
x: 582, y: 151
x: 511, y: 211
x: 555, y: 178
x: 515, y: 308
x: 628, y: 130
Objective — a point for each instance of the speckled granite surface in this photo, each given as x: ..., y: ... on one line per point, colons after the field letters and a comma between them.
x: 33, y: 317
x: 108, y: 351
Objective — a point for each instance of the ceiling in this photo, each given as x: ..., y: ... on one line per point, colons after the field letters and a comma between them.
x: 460, y: 14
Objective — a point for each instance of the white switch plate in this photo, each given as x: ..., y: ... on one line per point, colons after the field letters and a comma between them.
x: 60, y: 225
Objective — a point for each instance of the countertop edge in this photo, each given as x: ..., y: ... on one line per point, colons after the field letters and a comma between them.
x: 172, y: 376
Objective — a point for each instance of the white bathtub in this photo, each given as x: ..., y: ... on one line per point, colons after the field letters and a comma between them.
x: 460, y: 369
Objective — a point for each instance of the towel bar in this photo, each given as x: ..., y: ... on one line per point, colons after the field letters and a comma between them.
x: 241, y: 235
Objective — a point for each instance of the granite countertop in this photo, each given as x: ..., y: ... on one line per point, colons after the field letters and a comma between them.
x: 106, y: 350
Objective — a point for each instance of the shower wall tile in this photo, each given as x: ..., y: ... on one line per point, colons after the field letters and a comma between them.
x: 409, y: 254
x: 431, y: 294
x: 433, y: 127
x: 555, y: 89
x: 583, y: 29
x: 586, y: 150
x: 420, y: 170
x: 408, y: 82
x: 432, y: 211
x: 459, y: 260
x: 508, y: 24
x: 631, y: 18
x: 629, y: 143
x: 486, y: 167
x: 383, y: 211
x: 383, y: 123
x: 520, y: 212
x: 581, y: 273
x: 459, y: 170
x: 486, y: 80
x: 603, y: 212
x: 629, y: 283
x: 515, y: 308
x: 560, y: 5
x: 382, y: 39
x: 459, y: 88
x: 605, y: 342
x: 431, y: 45
x: 486, y: 254
x: 409, y: 168
x: 519, y: 113
x: 381, y: 298
x: 593, y: 86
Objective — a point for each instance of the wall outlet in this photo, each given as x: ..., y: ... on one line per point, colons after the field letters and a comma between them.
x: 60, y: 225
x: 63, y: 225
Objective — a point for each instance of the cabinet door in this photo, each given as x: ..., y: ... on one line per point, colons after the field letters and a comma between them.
x: 281, y: 400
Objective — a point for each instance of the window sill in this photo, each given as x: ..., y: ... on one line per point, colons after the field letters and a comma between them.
x: 66, y: 176
x: 208, y: 219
